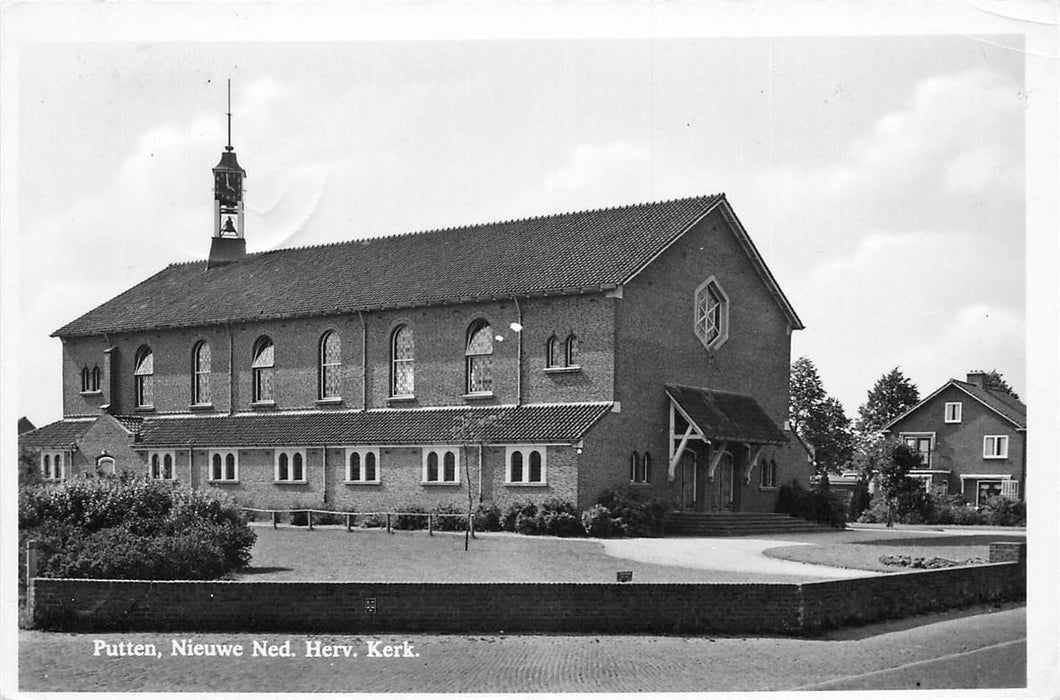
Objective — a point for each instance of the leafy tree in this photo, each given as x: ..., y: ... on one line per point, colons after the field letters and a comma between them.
x: 892, y: 395
x: 995, y: 381
x: 818, y: 418
x: 888, y: 463
x: 28, y: 467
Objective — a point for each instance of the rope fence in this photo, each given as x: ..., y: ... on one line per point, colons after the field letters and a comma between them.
x: 349, y: 516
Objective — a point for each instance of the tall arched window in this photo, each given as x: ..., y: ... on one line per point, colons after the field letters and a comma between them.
x: 402, y: 362
x: 570, y: 351
x: 200, y: 373
x: 86, y: 380
x: 96, y: 378
x: 330, y: 365
x: 262, y: 369
x: 479, y: 356
x: 551, y: 352
x: 144, y: 377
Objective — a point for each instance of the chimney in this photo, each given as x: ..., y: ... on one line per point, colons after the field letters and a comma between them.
x: 977, y: 378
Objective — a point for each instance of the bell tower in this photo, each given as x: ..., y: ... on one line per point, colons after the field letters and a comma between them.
x: 227, y: 243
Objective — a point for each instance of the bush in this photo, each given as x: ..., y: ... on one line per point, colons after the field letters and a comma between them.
x: 860, y: 499
x: 411, y: 518
x: 514, y: 511
x: 999, y: 510
x: 487, y: 518
x: 373, y: 520
x: 597, y: 521
x: 133, y: 529
x: 456, y: 520
x: 819, y: 505
x: 633, y: 513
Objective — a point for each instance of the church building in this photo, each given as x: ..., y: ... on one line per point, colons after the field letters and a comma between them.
x: 645, y: 346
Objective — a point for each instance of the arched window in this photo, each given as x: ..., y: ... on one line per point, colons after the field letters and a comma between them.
x: 525, y: 464
x: 369, y: 467
x: 402, y: 362
x: 634, y: 467
x: 105, y: 465
x: 230, y: 467
x: 96, y: 379
x: 354, y: 474
x: 551, y: 352
x: 449, y: 467
x: 155, y: 470
x: 517, y: 467
x: 432, y: 466
x: 479, y: 356
x: 362, y: 465
x: 711, y: 314
x: 200, y: 373
x: 640, y: 468
x: 297, y: 467
x: 216, y: 472
x: 86, y: 379
x: 647, y: 467
x: 570, y: 351
x: 282, y: 473
x: 167, y: 466
x: 262, y: 369
x: 47, y: 469
x: 535, y: 467
x: 330, y: 365
x: 144, y: 377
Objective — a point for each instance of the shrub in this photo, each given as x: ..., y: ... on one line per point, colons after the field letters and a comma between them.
x: 633, y: 513
x: 134, y: 528
x: 487, y: 518
x: 411, y: 518
x: 860, y: 499
x: 597, y: 521
x: 560, y: 518
x: 513, y: 512
x: 455, y: 520
x: 373, y: 520
x: 819, y: 505
x: 1000, y: 510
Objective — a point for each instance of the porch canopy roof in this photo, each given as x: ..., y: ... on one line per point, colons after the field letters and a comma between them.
x: 725, y: 416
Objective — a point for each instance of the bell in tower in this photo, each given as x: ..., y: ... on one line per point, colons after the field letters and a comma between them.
x: 227, y: 243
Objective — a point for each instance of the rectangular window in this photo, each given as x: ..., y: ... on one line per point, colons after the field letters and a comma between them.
x: 526, y: 465
x: 769, y: 474
x: 224, y: 466
x: 1010, y: 488
x: 441, y: 465
x: 921, y: 444
x: 289, y: 466
x: 953, y: 412
x: 995, y: 447
x: 161, y: 465
x: 985, y: 490
x: 362, y: 465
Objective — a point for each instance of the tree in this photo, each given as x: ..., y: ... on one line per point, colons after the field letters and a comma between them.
x: 892, y: 395
x: 888, y: 462
x: 470, y: 430
x: 818, y: 418
x: 995, y: 381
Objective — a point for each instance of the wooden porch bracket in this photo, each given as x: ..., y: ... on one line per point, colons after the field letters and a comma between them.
x: 752, y: 460
x: 715, y: 457
x: 677, y: 454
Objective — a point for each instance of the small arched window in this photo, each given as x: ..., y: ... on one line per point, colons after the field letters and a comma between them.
x: 200, y: 373
x: 105, y: 465
x: 551, y: 352
x: 479, y: 356
x: 535, y: 467
x: 330, y: 365
x: 96, y: 379
x: 402, y: 362
x: 144, y: 377
x: 86, y: 379
x: 570, y: 351
x: 634, y: 467
x: 262, y: 369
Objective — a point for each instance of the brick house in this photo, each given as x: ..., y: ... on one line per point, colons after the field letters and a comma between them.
x: 557, y: 356
x: 971, y: 440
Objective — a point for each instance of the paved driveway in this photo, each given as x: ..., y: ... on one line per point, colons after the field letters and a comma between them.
x: 724, y: 554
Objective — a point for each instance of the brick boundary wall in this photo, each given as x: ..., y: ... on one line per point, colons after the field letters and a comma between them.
x: 681, y: 608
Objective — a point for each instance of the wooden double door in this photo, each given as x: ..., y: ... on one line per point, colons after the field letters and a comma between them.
x: 698, y: 493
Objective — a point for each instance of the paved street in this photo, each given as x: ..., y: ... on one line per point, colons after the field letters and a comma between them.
x: 981, y: 648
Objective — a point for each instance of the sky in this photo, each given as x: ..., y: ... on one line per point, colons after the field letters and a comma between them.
x: 881, y: 174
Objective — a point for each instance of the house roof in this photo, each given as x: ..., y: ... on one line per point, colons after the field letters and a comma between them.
x: 63, y: 433
x: 1005, y: 405
x: 723, y: 415
x: 25, y: 425
x: 545, y: 423
x: 558, y: 254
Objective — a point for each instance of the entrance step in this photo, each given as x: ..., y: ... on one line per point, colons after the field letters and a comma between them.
x: 737, y: 524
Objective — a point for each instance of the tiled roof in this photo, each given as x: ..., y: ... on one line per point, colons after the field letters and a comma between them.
x: 503, y: 424
x: 722, y: 415
x: 1007, y: 405
x: 63, y: 433
x: 549, y: 254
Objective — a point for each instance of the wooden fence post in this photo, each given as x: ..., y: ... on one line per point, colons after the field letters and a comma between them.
x: 388, y: 523
x: 347, y: 522
x: 275, y: 519
x: 430, y: 524
x: 309, y: 518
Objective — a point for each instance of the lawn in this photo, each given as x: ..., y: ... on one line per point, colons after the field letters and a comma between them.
x: 862, y: 549
x: 332, y: 554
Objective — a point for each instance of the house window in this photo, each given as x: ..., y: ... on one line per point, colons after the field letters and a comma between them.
x: 441, y: 465
x: 526, y: 465
x: 144, y: 377
x: 921, y: 445
x: 570, y: 348
x: 479, y: 356
x: 995, y: 447
x: 362, y: 465
x: 952, y: 412
x: 105, y: 465
x: 711, y: 320
x: 551, y: 352
x: 86, y: 380
x: 160, y: 465
x: 262, y: 369
x: 330, y: 366
x: 1010, y: 488
x: 53, y: 466
x: 289, y: 466
x: 640, y: 468
x: 402, y: 362
x: 200, y: 374
x: 224, y: 465
x: 96, y: 379
x: 986, y: 489
x: 769, y: 473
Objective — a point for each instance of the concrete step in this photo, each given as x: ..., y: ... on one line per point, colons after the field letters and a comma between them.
x: 736, y: 524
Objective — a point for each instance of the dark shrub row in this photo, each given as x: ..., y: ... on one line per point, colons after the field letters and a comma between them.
x: 819, y: 504
x: 133, y: 529
x: 930, y: 509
